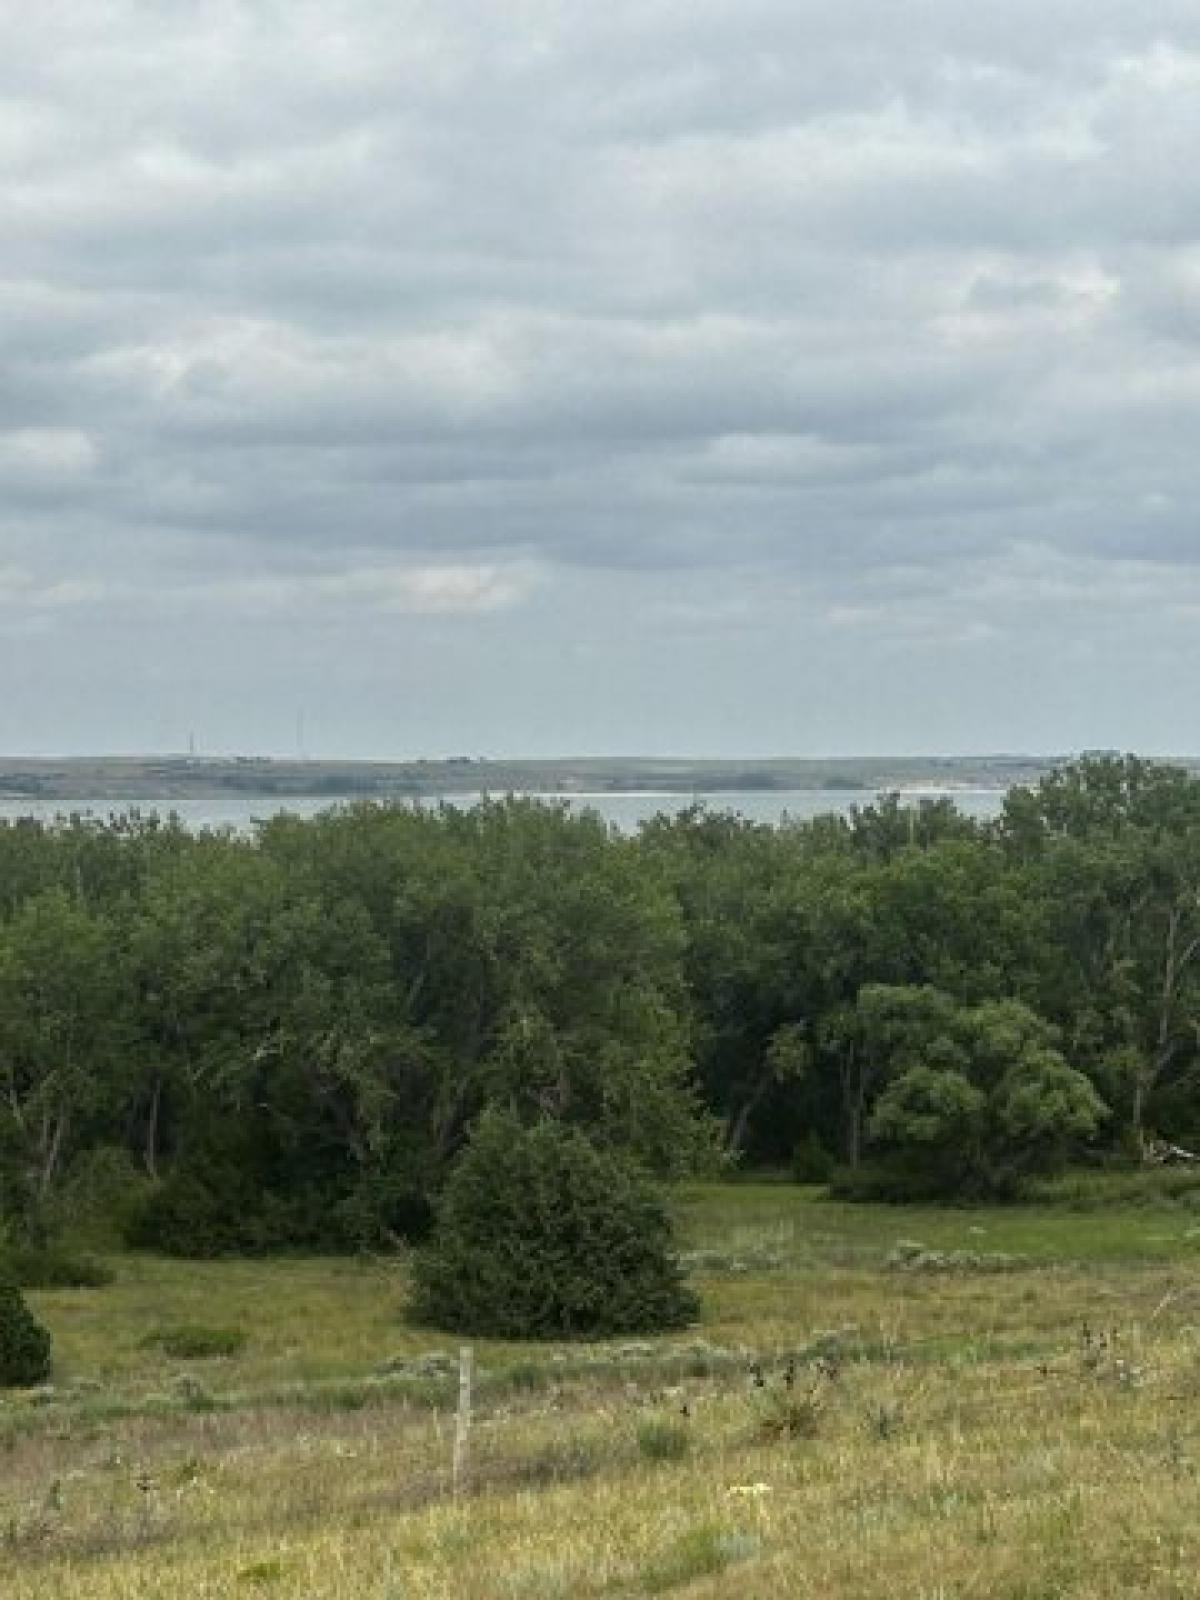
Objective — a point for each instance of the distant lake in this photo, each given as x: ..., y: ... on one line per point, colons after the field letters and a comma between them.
x: 626, y: 811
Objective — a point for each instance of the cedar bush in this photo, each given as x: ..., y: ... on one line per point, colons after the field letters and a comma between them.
x: 24, y: 1343
x: 541, y: 1235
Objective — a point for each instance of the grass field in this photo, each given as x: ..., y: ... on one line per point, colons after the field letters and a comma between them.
x: 1010, y: 1413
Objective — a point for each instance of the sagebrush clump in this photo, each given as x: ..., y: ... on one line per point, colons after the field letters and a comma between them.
x: 24, y: 1343
x: 540, y: 1234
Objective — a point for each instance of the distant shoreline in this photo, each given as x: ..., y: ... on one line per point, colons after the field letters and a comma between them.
x: 132, y: 779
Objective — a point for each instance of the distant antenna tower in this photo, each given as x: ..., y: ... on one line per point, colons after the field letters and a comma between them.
x: 300, y: 753
x: 192, y: 746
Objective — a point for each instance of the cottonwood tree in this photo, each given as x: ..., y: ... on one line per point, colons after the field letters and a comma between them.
x: 63, y: 1010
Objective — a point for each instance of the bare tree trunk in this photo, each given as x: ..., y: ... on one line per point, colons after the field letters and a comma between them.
x: 1176, y: 962
x: 151, y: 1153
x: 854, y: 1140
x: 854, y: 1094
x: 1137, y: 1115
x: 738, y: 1124
x: 53, y: 1134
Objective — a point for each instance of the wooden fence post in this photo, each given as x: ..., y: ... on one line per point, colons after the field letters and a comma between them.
x: 462, y: 1422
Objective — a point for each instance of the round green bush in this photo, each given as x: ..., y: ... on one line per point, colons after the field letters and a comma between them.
x: 540, y: 1235
x: 24, y: 1343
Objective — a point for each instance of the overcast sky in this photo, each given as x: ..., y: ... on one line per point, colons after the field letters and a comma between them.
x: 708, y: 377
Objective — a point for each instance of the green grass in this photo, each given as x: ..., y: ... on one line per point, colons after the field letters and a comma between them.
x: 196, y: 1341
x: 825, y: 1232
x: 942, y: 1436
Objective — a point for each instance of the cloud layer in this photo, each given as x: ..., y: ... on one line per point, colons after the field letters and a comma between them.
x: 717, y: 377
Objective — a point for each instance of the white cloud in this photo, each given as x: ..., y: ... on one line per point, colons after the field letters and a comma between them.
x: 45, y: 455
x: 456, y: 590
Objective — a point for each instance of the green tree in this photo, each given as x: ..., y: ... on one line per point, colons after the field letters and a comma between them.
x: 63, y: 1007
x: 977, y: 1097
x: 730, y: 879
x: 1117, y: 853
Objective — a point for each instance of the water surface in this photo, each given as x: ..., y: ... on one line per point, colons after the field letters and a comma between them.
x: 626, y: 811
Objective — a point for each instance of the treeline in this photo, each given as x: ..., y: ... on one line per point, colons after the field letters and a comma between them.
x: 245, y: 1043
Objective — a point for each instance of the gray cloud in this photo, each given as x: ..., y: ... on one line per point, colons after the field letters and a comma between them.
x: 713, y: 339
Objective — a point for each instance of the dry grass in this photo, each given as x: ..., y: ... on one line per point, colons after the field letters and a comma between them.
x: 962, y: 1435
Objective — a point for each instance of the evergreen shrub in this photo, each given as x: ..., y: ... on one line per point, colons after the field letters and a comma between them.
x: 811, y: 1161
x: 542, y: 1235
x: 24, y: 1343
